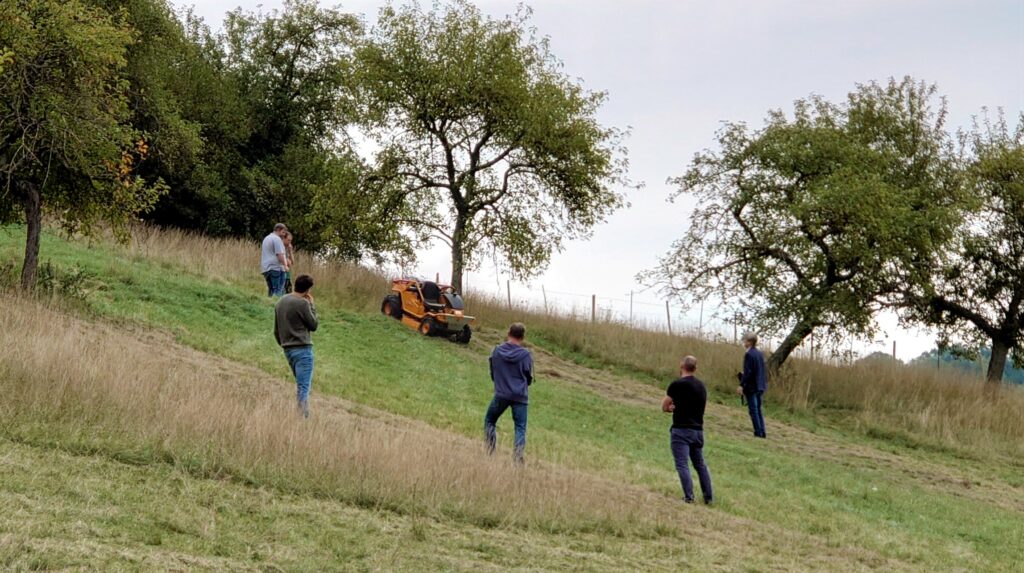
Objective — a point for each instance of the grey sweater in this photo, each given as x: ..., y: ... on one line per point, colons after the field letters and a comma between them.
x: 294, y: 319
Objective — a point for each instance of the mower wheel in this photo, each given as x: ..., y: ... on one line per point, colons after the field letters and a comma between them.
x: 465, y: 335
x: 391, y: 307
x: 427, y: 327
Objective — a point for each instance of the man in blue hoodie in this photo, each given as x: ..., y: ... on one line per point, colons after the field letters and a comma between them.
x: 512, y: 374
x: 754, y: 382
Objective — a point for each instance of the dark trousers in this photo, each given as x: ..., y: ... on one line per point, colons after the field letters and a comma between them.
x: 688, y: 444
x: 275, y: 283
x: 494, y: 411
x: 755, y: 401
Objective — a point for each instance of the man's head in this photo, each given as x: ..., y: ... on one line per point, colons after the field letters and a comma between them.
x: 516, y: 332
x: 280, y: 229
x: 749, y: 339
x: 303, y: 284
x: 688, y: 366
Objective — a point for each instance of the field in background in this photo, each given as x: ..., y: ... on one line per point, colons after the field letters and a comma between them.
x: 922, y: 405
x: 159, y: 376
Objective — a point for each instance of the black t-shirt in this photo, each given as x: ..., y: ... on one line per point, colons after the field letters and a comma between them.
x: 690, y: 397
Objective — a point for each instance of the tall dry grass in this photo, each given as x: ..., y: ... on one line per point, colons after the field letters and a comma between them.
x: 939, y: 407
x: 93, y: 388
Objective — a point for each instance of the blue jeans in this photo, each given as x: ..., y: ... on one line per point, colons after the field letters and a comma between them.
x: 494, y: 411
x: 275, y: 282
x: 688, y: 444
x: 301, y: 361
x: 755, y: 402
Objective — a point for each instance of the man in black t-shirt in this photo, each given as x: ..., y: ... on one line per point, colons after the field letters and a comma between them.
x: 686, y: 399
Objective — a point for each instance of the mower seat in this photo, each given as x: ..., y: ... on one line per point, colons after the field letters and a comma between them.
x: 432, y: 296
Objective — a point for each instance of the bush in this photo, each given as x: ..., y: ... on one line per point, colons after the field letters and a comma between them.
x: 54, y: 281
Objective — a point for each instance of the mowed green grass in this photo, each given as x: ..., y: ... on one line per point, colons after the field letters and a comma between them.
x: 923, y: 509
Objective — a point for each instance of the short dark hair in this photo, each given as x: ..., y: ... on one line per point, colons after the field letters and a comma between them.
x: 280, y: 226
x: 303, y: 283
x: 517, y: 331
x: 689, y: 364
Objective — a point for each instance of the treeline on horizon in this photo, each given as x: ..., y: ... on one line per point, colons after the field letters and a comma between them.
x: 443, y: 124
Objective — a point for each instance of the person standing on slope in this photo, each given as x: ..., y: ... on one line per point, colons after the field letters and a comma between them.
x: 289, y: 255
x: 686, y: 399
x: 754, y: 383
x: 294, y: 319
x: 274, y: 260
x: 512, y: 374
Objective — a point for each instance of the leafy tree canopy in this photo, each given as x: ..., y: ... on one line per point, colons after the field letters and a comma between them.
x: 974, y: 292
x: 810, y: 222
x: 66, y: 146
x: 481, y: 140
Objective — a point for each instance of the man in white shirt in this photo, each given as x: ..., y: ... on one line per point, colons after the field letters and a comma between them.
x: 274, y: 260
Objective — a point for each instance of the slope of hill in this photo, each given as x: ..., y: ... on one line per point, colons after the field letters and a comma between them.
x: 147, y: 425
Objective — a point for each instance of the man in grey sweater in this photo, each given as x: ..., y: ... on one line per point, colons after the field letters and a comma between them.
x: 294, y: 320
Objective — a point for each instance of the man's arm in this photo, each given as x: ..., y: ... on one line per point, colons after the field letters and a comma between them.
x: 490, y: 364
x: 749, y: 371
x: 528, y: 370
x: 667, y: 405
x: 308, y: 316
x: 282, y: 255
x: 277, y: 336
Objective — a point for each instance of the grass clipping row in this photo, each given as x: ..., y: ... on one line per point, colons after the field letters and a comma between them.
x: 95, y: 389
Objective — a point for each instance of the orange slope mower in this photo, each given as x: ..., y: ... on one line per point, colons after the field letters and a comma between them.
x: 433, y: 309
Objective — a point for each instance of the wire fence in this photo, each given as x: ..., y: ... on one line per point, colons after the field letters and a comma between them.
x: 638, y: 309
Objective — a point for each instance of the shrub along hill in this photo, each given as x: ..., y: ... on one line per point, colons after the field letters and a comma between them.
x: 147, y: 424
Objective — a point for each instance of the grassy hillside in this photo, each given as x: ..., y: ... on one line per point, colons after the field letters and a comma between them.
x: 155, y: 379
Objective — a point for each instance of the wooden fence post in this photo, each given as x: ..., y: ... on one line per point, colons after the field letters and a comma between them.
x: 593, y: 308
x: 543, y: 290
x: 508, y: 289
x: 668, y: 318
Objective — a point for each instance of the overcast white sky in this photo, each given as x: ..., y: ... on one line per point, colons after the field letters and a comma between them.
x: 675, y: 70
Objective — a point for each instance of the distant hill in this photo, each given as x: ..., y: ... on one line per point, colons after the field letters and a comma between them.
x: 879, y: 357
x: 1011, y: 373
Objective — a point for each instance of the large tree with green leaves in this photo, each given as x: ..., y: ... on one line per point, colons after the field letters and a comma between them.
x: 66, y: 147
x: 975, y: 289
x: 482, y: 140
x: 293, y: 68
x: 807, y: 223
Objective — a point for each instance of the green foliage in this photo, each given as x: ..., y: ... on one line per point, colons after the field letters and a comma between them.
x: 974, y: 293
x: 67, y: 283
x: 483, y: 141
x: 243, y: 124
x: 68, y: 148
x: 811, y: 221
x: 6, y: 57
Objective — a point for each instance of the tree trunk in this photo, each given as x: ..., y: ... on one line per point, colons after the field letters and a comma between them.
x: 32, y: 201
x: 458, y: 254
x: 789, y: 344
x: 997, y: 362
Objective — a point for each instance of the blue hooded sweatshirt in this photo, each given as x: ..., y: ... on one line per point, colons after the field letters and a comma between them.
x: 512, y: 372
